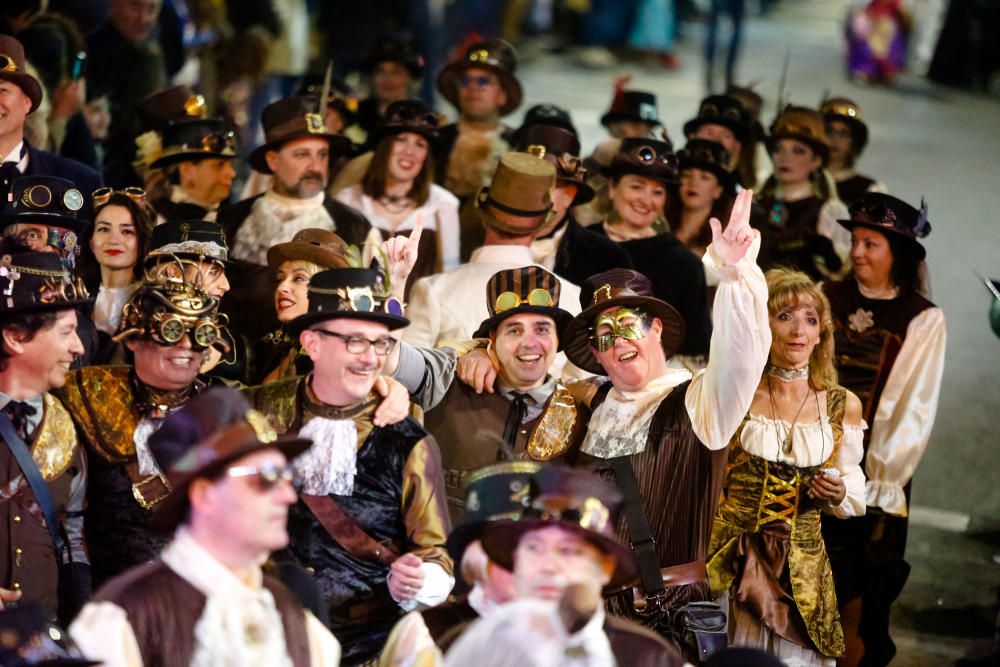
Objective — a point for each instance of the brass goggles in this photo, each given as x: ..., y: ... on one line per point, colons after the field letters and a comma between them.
x: 101, y: 196
x: 624, y: 323
x: 362, y: 300
x: 168, y: 328
x: 536, y: 297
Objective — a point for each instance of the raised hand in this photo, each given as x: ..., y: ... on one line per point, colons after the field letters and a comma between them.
x: 731, y: 245
x: 401, y: 251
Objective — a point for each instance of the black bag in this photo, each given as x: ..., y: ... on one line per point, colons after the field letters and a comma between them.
x: 699, y: 628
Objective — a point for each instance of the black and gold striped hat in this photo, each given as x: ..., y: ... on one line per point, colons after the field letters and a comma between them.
x: 529, y: 289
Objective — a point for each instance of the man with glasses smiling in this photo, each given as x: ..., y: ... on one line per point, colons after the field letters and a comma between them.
x: 372, y: 520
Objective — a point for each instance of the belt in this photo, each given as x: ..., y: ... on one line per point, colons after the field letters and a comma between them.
x: 685, y: 573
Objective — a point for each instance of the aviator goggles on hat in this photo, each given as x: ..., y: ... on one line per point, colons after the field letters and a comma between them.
x: 101, y: 196
x: 623, y: 323
x: 536, y: 297
x: 362, y: 300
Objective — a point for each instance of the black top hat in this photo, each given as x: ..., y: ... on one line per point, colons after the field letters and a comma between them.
x: 45, y: 200
x: 562, y: 149
x: 294, y: 118
x: 493, y: 55
x: 397, y: 51
x: 12, y: 68
x: 529, y: 289
x: 409, y: 116
x: 195, y: 139
x: 846, y: 111
x: 29, y: 639
x: 573, y: 499
x: 648, y: 158
x: 174, y: 103
x: 547, y: 114
x: 722, y: 110
x: 356, y: 294
x: 340, y: 97
x: 197, y: 240
x: 204, y: 436
x: 637, y: 105
x: 615, y: 289
x: 890, y: 215
x: 34, y: 282
x: 710, y: 156
x: 492, y: 493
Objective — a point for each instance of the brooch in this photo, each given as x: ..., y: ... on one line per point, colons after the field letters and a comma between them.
x: 861, y: 320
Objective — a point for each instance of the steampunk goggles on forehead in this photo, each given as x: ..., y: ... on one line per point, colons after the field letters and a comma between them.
x: 536, y: 297
x: 101, y: 196
x: 712, y: 111
x: 7, y: 64
x: 41, y: 196
x: 647, y: 155
x: 361, y: 300
x: 635, y: 328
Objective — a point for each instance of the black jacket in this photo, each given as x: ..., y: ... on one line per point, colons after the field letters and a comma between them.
x: 582, y: 253
x: 86, y: 180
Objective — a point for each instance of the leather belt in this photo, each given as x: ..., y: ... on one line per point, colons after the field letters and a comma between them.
x: 685, y: 573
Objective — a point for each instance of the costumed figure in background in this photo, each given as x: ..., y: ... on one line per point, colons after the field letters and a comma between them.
x: 876, y: 41
x: 847, y: 136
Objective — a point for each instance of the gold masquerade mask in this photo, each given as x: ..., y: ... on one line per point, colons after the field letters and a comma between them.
x: 624, y: 323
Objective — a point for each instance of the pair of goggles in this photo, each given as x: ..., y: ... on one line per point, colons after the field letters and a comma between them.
x: 363, y: 300
x: 407, y: 115
x: 267, y: 477
x: 623, y: 323
x: 7, y: 63
x: 647, y: 155
x: 101, y: 196
x: 536, y: 297
x: 170, y: 329
x: 219, y: 142
x: 41, y: 196
x: 712, y: 111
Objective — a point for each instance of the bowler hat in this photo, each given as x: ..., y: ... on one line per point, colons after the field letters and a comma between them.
x: 12, y: 68
x: 494, y: 55
x: 529, y: 289
x: 198, y: 240
x: 521, y: 187
x: 644, y: 157
x: 802, y: 124
x: 709, y: 156
x: 724, y: 110
x: 34, y: 282
x: 846, y: 111
x: 294, y: 118
x: 44, y: 200
x: 356, y: 294
x: 319, y: 246
x: 890, y: 215
x: 29, y: 639
x: 195, y: 139
x: 634, y: 105
x: 562, y: 149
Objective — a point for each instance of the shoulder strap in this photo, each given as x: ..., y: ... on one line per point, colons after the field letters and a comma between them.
x: 347, y: 534
x: 640, y: 536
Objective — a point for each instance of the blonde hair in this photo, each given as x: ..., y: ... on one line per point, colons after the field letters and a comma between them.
x: 312, y: 268
x: 787, y: 288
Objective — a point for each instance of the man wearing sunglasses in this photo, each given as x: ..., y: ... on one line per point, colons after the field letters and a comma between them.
x: 204, y: 600
x: 372, y: 520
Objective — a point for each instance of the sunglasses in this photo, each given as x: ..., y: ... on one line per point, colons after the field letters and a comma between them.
x: 362, y: 300
x: 536, y: 297
x: 40, y: 196
x: 7, y: 63
x: 482, y: 81
x: 101, y: 196
x: 634, y: 330
x: 265, y: 478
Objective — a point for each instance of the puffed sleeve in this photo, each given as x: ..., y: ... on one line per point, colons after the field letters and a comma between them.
x: 424, y: 506
x: 102, y: 632
x: 905, y: 413
x: 720, y: 395
x: 324, y: 649
x: 827, y: 225
x: 848, y: 464
x: 424, y: 314
x: 446, y: 217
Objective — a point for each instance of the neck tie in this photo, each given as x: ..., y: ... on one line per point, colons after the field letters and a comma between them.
x: 8, y: 172
x: 18, y: 412
x: 515, y: 415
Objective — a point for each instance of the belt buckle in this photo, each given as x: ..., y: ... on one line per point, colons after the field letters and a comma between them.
x: 137, y: 491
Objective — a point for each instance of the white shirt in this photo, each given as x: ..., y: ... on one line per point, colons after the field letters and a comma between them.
x: 15, y: 156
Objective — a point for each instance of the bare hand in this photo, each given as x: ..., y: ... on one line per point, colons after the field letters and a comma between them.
x: 395, y: 405
x: 828, y: 487
x: 7, y: 596
x: 401, y: 251
x: 732, y: 244
x: 478, y: 369
x: 405, y: 577
x: 67, y: 99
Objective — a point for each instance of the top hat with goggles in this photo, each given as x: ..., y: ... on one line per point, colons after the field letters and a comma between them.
x: 33, y: 282
x: 529, y: 289
x: 648, y: 158
x: 45, y: 200
x: 194, y: 139
x: 356, y: 294
x: 847, y: 112
x: 166, y: 310
x: 726, y: 111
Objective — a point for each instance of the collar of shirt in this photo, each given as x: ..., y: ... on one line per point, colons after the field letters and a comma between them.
x: 37, y: 402
x: 294, y: 203
x: 189, y: 559
x: 539, y: 395
x: 15, y: 156
x: 515, y: 255
x: 593, y: 640
x: 179, y: 196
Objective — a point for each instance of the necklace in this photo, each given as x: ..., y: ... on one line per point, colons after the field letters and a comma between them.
x: 788, y: 374
x: 395, y: 203
x: 785, y: 441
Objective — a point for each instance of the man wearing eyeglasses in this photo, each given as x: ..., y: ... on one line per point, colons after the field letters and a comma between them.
x: 372, y: 520
x: 205, y: 600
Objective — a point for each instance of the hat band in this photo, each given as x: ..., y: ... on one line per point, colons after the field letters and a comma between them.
x: 606, y: 292
x: 592, y: 514
x: 310, y: 123
x: 209, y: 249
x: 520, y: 212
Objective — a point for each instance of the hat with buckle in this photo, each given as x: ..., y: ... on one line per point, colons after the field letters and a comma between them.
x: 644, y: 157
x: 356, y: 294
x: 45, y: 200
x: 529, y: 289
x: 29, y: 639
x: 195, y: 139
x: 618, y: 288
x: 204, y: 436
x: 562, y: 149
x: 802, y: 124
x: 547, y: 114
x: 521, y: 187
x: 890, y: 215
x: 34, y: 282
x: 494, y: 55
x: 12, y: 68
x: 708, y: 156
x: 724, y: 110
x: 573, y: 499
x: 395, y: 50
x: 340, y: 97
x: 294, y: 118
x: 846, y: 111
x: 632, y: 105
x: 319, y: 246
x: 409, y: 116
x: 197, y: 240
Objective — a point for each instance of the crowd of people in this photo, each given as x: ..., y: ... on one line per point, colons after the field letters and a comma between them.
x: 447, y: 394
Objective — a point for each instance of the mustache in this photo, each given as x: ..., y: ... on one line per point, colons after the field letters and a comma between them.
x: 311, y: 176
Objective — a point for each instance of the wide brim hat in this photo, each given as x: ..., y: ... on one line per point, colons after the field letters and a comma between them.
x: 632, y: 105
x: 890, y: 215
x: 846, y: 111
x: 561, y: 148
x: 648, y: 158
x: 724, y: 110
x: 45, y: 200
x: 37, y: 282
x: 190, y: 139
x: 618, y: 288
x: 521, y: 187
x: 13, y: 68
x: 319, y: 246
x: 408, y: 116
x: 709, y: 156
x: 802, y: 124
x: 496, y: 56
x: 174, y: 103
x: 294, y: 118
x: 330, y: 299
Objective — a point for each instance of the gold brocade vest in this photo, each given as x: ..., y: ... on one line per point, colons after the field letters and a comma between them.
x: 759, y: 492
x: 55, y: 444
x: 102, y: 402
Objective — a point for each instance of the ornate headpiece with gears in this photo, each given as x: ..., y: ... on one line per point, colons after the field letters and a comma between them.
x: 167, y: 309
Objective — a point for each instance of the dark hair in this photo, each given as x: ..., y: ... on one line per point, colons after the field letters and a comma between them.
x: 27, y: 325
x: 721, y: 208
x: 905, y: 270
x: 374, y: 181
x: 143, y: 218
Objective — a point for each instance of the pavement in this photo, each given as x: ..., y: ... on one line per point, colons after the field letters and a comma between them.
x: 927, y: 141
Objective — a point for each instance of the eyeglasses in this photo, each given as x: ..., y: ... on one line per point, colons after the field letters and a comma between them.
x: 362, y: 300
x: 40, y: 196
x: 648, y: 155
x: 359, y: 345
x: 536, y: 297
x: 482, y: 81
x: 267, y: 477
x: 633, y: 330
x: 102, y: 195
x: 7, y: 63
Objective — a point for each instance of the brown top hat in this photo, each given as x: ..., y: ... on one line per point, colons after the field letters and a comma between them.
x: 572, y: 499
x: 294, y: 118
x: 318, y: 246
x: 644, y: 157
x: 803, y: 124
x: 195, y: 139
x: 174, y: 103
x: 890, y: 215
x: 614, y: 289
x: 12, y: 68
x: 529, y: 289
x: 846, y: 111
x: 522, y: 187
x: 494, y: 55
x: 562, y: 149
x: 203, y: 437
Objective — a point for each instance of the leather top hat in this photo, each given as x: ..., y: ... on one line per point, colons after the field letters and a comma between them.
x: 195, y: 139
x: 45, y: 200
x: 356, y: 294
x: 318, y: 246
x: 846, y: 111
x: 340, y: 96
x: 409, y: 116
x: 396, y: 51
x: 562, y: 149
x: 521, y: 187
x: 618, y: 288
x: 572, y: 499
x: 294, y: 118
x: 722, y: 110
x: 34, y: 282
x: 709, y: 156
x: 492, y: 493
x: 529, y: 289
x: 204, y: 436
x: 198, y: 240
x: 648, y: 158
x: 637, y: 105
x: 803, y: 124
x: 548, y: 114
x: 29, y: 639
x: 493, y: 55
x: 174, y: 103
x: 890, y: 215
x: 12, y: 69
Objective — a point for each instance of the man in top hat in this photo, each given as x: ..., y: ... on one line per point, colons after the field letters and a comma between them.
x: 563, y: 551
x: 154, y: 113
x: 372, y: 522
x: 38, y: 324
x: 661, y: 425
x: 847, y: 136
x: 722, y: 118
x: 21, y: 95
x: 394, y: 68
x: 204, y: 599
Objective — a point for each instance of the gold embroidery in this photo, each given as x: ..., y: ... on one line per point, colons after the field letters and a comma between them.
x: 56, y: 442
x: 554, y: 433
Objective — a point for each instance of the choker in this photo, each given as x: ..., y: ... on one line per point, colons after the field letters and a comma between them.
x: 788, y: 374
x: 157, y: 403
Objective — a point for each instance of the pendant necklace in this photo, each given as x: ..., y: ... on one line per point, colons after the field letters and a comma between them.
x: 784, y: 442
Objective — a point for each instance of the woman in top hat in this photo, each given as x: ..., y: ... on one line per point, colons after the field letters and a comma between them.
x: 398, y: 187
x: 890, y: 345
x: 847, y: 135
x: 706, y: 190
x: 394, y: 68
x: 799, y: 200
